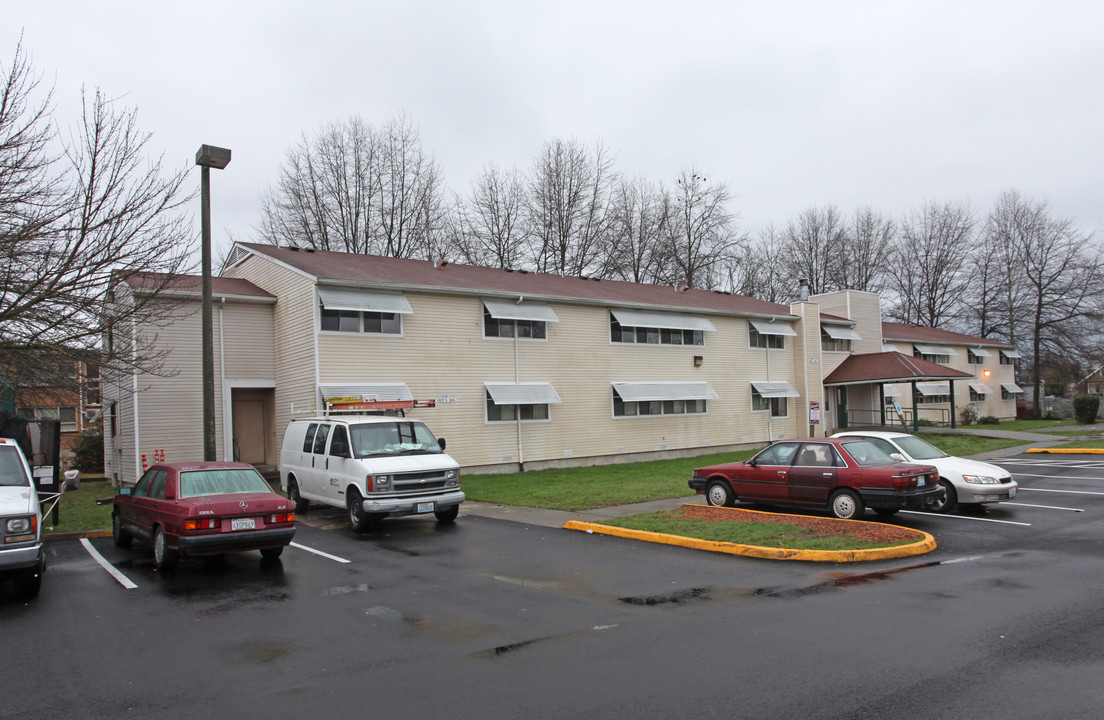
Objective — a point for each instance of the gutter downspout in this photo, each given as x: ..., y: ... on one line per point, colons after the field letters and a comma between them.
x: 226, y: 427
x: 517, y: 408
x: 134, y: 400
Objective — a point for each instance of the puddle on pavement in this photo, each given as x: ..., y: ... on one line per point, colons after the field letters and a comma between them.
x: 677, y: 597
x: 840, y: 580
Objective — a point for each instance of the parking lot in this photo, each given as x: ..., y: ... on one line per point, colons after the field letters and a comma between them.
x: 488, y: 618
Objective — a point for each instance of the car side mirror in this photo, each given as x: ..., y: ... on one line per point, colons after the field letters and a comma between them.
x: 126, y: 491
x: 752, y: 463
x: 441, y: 442
x: 898, y: 457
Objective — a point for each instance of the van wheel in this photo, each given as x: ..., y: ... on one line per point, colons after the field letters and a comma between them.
x: 359, y: 520
x: 293, y: 495
x: 447, y: 515
x: 27, y: 584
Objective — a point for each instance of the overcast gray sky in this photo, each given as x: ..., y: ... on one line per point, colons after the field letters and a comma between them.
x: 794, y: 104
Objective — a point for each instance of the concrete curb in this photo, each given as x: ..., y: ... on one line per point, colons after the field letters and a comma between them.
x: 1068, y: 451
x: 47, y: 537
x: 925, y: 545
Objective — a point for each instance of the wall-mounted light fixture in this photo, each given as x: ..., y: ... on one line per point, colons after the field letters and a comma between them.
x: 986, y: 373
x: 698, y: 360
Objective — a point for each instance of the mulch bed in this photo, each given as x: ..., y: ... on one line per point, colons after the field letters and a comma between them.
x: 869, y: 531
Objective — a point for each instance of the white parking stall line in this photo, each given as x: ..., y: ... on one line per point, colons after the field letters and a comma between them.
x: 1045, y: 507
x: 1068, y: 492
x: 111, y: 569
x: 335, y: 558
x: 964, y: 517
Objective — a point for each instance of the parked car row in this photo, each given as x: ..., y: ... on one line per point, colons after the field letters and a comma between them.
x: 852, y: 471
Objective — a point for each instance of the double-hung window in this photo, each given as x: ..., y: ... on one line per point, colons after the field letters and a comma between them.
x: 934, y: 353
x: 633, y: 399
x: 772, y: 396
x: 976, y: 356
x: 837, y: 338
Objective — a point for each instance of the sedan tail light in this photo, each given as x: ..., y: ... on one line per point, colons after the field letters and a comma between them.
x: 904, y: 481
x: 202, y: 524
x: 279, y: 518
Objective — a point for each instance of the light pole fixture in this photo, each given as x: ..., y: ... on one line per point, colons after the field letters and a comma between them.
x: 207, y: 157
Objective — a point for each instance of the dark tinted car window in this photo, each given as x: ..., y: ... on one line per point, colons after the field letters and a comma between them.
x: 143, y: 487
x: 339, y: 443
x: 157, y: 487
x: 308, y: 441
x: 320, y: 439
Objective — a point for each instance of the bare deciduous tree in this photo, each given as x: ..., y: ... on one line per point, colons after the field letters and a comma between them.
x: 813, y: 248
x: 759, y: 270
x: 865, y: 251
x: 76, y: 212
x: 927, y: 273
x: 636, y: 225
x: 569, y: 198
x: 491, y: 229
x: 699, y: 233
x: 354, y: 188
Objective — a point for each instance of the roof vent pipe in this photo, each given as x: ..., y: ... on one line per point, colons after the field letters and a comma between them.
x: 804, y: 283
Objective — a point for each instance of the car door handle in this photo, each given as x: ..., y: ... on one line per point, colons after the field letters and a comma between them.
x: 781, y: 472
x: 828, y: 474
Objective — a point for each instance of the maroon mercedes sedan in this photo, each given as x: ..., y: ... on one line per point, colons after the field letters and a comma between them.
x: 843, y: 475
x: 202, y: 508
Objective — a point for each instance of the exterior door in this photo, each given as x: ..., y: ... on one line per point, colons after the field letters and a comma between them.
x: 841, y: 408
x: 249, y: 423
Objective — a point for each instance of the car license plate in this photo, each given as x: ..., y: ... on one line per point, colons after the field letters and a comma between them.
x: 425, y: 507
x: 242, y: 524
x: 920, y: 482
x: 1011, y: 493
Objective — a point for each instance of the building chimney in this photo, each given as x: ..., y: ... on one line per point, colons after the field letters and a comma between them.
x: 804, y: 283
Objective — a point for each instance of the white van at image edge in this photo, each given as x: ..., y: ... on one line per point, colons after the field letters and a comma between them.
x: 22, y: 556
x: 373, y: 466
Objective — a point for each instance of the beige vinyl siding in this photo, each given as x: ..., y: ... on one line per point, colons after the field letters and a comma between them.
x: 293, y: 323
x: 864, y: 308
x: 811, y: 363
x: 246, y: 328
x: 445, y: 335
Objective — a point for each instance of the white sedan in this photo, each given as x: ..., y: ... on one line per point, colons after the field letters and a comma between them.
x: 967, y: 482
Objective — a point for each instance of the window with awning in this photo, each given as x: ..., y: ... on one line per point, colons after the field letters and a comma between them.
x: 772, y: 395
x: 362, y: 301
x: 1012, y: 388
x: 364, y: 392
x: 935, y: 349
x: 528, y: 401
x: 658, y: 328
x: 933, y: 388
x: 774, y: 388
x: 508, y: 319
x: 837, y: 338
x: 661, y: 398
x: 1009, y: 357
x: 891, y: 391
x: 765, y: 327
x: 978, y: 391
x: 769, y: 334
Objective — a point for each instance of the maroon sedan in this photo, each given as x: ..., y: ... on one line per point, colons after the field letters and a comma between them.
x: 843, y: 475
x: 202, y: 508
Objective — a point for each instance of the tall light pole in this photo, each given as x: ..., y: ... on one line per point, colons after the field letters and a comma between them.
x: 208, y: 157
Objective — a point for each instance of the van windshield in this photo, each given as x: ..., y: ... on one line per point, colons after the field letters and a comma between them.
x: 12, y: 472
x: 397, y: 438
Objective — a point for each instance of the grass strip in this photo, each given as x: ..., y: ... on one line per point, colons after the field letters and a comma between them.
x: 772, y: 534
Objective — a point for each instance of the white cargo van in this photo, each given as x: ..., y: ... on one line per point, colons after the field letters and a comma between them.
x: 373, y: 466
x: 21, y: 554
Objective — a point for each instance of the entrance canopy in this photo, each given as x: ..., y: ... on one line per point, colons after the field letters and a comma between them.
x: 889, y: 367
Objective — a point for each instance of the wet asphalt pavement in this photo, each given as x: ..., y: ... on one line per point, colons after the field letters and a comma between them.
x: 494, y: 618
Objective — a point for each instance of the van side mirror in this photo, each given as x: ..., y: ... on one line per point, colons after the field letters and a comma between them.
x: 441, y: 442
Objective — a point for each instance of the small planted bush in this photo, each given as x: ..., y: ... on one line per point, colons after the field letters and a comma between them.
x: 989, y: 420
x: 1085, y: 408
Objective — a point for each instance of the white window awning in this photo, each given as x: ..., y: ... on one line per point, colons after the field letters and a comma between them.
x: 333, y: 299
x: 981, y: 389
x: 980, y: 352
x: 935, y: 349
x: 765, y: 327
x: 650, y: 391
x: 364, y: 392
x: 510, y: 310
x: 891, y: 391
x: 934, y: 388
x: 1012, y: 388
x: 1011, y: 354
x: 890, y: 347
x: 661, y: 320
x: 838, y: 332
x: 527, y: 393
x: 774, y: 389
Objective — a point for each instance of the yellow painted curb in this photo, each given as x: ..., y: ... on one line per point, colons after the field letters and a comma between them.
x: 926, y: 545
x: 1068, y: 451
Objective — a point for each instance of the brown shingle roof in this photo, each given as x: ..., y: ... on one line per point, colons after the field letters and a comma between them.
x: 193, y: 284
x: 889, y: 367
x: 915, y: 333
x: 376, y: 271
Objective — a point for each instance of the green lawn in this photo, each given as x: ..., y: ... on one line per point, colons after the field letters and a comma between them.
x: 1082, y: 444
x: 762, y: 534
x: 963, y: 445
x: 594, y: 487
x: 1038, y: 425
x: 78, y: 511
